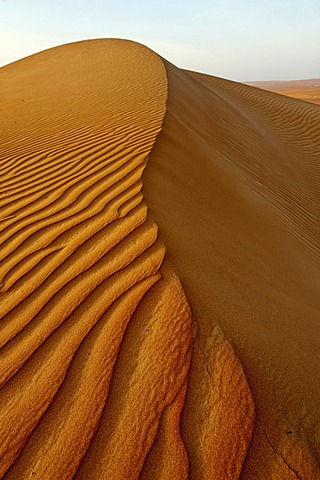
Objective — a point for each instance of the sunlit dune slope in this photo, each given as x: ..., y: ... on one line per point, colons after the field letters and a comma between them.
x: 110, y: 368
x: 307, y: 90
x: 88, y: 316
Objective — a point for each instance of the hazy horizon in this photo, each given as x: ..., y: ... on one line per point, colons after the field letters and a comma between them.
x: 251, y: 41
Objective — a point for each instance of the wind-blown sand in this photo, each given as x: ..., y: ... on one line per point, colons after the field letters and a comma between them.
x: 110, y: 367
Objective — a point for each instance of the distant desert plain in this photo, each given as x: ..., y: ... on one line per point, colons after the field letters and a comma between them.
x: 159, y: 271
x: 307, y: 90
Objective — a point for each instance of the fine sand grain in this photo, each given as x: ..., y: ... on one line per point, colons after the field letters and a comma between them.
x: 110, y: 368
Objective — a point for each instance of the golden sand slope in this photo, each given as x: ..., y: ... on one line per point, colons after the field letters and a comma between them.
x: 105, y: 372
x: 307, y: 90
x: 93, y: 331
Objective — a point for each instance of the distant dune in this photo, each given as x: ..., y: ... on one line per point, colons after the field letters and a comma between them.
x: 159, y: 272
x: 307, y: 90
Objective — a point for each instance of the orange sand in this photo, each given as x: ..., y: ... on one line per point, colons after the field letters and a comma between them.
x: 110, y: 368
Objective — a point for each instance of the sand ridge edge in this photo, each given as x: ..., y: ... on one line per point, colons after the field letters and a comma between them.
x: 97, y: 334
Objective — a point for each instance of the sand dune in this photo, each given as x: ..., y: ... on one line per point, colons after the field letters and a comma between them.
x: 110, y: 368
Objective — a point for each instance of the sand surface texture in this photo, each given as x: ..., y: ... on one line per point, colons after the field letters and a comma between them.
x: 110, y: 368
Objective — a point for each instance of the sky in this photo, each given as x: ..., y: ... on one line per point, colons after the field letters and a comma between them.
x: 242, y: 40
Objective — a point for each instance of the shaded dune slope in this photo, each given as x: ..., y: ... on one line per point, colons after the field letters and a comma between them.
x: 106, y: 369
x: 233, y: 182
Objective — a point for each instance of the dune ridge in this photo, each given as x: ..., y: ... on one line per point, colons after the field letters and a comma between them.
x: 109, y: 368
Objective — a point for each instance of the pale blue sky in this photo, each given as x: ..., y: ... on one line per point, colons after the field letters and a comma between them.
x: 237, y: 39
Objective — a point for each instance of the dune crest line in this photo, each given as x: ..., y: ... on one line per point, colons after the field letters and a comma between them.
x: 96, y: 333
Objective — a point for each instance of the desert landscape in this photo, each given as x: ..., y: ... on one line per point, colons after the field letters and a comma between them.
x: 159, y: 271
x: 307, y: 90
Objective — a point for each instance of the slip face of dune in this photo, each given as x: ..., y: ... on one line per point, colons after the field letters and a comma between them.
x: 110, y: 368
x: 233, y: 182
